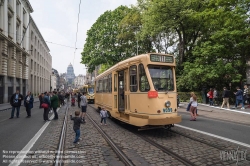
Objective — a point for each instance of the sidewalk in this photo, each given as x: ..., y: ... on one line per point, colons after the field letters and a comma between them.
x: 233, y: 115
x: 7, y: 106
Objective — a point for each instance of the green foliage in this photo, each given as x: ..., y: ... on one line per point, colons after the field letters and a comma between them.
x: 209, y: 38
x: 109, y: 42
x: 185, y: 96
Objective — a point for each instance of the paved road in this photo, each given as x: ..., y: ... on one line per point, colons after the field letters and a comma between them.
x: 17, y: 132
x: 231, y: 130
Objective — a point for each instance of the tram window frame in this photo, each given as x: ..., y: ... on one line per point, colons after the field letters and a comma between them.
x: 115, y: 82
x: 133, y: 78
x: 101, y: 86
x: 110, y: 82
x: 105, y: 84
x: 141, y: 71
x: 125, y: 81
x: 97, y: 86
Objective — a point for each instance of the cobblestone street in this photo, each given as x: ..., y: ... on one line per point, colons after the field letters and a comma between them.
x: 93, y: 149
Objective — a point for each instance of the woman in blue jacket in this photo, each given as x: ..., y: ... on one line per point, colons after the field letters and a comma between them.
x: 28, y: 103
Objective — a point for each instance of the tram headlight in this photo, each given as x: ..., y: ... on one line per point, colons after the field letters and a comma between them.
x: 167, y: 103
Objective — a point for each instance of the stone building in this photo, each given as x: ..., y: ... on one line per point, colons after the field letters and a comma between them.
x: 40, y: 61
x: 70, y: 76
x: 14, y: 47
x: 55, y: 72
x: 25, y: 62
x: 79, y: 81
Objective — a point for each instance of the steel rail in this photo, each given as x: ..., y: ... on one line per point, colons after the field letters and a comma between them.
x: 120, y: 154
x: 167, y: 151
x: 59, y: 154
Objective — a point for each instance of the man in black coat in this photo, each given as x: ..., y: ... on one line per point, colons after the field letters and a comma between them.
x: 15, y: 102
x: 79, y: 99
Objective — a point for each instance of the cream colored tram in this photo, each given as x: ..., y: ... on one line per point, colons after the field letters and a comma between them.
x: 89, y: 90
x: 140, y: 91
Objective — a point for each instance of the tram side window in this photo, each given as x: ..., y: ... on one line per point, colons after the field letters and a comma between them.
x: 133, y: 78
x: 105, y: 84
x: 100, y: 86
x: 110, y: 83
x: 143, y: 80
x: 97, y: 86
x: 115, y: 82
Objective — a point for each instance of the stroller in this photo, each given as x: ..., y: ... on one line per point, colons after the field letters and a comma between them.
x: 73, y: 100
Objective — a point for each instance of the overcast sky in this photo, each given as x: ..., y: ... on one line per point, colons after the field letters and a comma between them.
x: 57, y: 22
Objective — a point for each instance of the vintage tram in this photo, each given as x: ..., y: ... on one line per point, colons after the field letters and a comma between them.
x: 89, y: 90
x: 140, y: 91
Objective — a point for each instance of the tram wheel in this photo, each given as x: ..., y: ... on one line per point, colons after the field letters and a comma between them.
x: 167, y: 127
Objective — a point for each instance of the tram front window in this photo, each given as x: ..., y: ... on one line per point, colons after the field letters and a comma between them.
x: 91, y: 90
x: 162, y: 77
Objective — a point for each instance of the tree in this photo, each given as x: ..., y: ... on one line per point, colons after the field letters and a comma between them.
x: 109, y: 42
x: 221, y: 53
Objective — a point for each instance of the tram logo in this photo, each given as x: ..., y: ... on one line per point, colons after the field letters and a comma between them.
x: 233, y: 155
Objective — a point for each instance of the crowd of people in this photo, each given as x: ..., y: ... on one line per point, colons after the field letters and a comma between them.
x: 241, y: 97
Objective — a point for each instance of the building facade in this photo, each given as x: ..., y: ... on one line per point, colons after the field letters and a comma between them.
x: 40, y: 61
x: 55, y: 72
x: 53, y: 82
x: 14, y: 47
x: 79, y: 81
x: 70, y: 76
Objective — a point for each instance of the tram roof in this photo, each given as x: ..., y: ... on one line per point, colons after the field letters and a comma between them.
x: 135, y: 58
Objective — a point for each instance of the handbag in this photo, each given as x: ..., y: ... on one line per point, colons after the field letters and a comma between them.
x: 45, y: 105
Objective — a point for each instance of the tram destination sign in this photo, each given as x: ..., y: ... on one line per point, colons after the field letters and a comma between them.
x: 161, y: 58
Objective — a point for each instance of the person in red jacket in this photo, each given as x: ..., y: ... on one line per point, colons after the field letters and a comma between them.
x: 210, y: 96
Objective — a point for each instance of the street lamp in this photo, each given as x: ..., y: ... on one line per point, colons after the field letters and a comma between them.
x: 136, y: 38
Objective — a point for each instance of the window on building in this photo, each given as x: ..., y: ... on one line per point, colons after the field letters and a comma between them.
x: 133, y: 78
x: 143, y: 80
x: 31, y: 64
x: 17, y: 33
x: 24, y: 38
x: 35, y: 40
x: 18, y: 8
x: 9, y: 25
x: 31, y: 52
x: 24, y: 17
x: 32, y: 35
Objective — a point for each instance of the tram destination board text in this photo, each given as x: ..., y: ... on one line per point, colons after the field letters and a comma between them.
x: 161, y: 58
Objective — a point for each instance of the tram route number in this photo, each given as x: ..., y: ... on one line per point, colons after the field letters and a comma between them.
x: 167, y: 109
x: 161, y: 58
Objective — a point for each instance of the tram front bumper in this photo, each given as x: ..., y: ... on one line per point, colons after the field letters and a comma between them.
x: 165, y: 121
x: 144, y: 120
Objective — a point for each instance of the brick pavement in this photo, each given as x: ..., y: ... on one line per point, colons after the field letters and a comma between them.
x: 197, y: 152
x: 139, y: 151
x: 96, y: 150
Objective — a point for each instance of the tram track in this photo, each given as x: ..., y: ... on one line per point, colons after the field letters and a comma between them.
x: 59, y: 155
x: 181, y: 145
x: 115, y: 148
x: 167, y: 151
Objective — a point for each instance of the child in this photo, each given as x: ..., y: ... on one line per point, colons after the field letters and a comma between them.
x: 104, y: 115
x: 73, y: 100
x: 77, y: 122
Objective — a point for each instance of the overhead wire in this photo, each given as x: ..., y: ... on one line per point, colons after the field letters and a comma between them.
x: 77, y: 31
x: 44, y: 40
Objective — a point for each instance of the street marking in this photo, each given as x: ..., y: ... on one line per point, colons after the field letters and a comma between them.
x: 19, y: 158
x: 213, y: 135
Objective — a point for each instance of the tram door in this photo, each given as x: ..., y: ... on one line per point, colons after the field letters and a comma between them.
x: 121, y: 101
